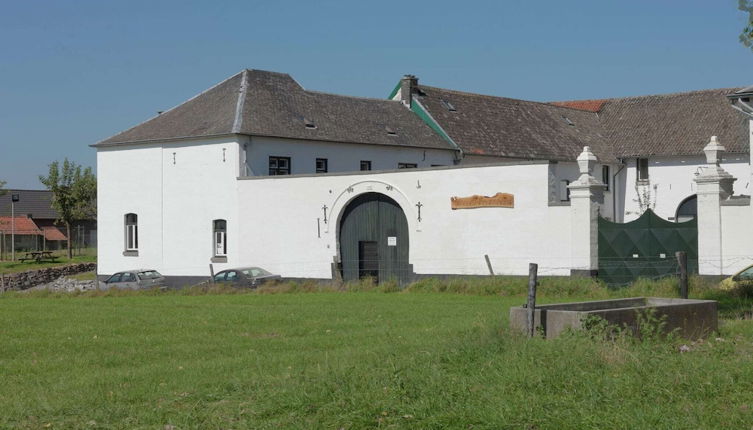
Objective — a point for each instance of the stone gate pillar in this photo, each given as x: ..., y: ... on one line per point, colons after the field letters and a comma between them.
x: 714, y: 184
x: 586, y: 194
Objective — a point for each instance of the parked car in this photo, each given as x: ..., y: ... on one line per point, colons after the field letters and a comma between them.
x: 741, y: 282
x: 245, y: 277
x: 133, y: 280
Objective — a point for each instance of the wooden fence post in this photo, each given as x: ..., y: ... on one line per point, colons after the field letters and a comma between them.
x: 682, y: 261
x: 489, y: 265
x: 531, y: 304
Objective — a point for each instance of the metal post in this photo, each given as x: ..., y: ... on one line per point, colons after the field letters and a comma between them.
x: 13, y: 200
x: 682, y: 261
x: 531, y: 304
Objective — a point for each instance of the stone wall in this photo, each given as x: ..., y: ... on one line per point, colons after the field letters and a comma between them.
x: 31, y: 278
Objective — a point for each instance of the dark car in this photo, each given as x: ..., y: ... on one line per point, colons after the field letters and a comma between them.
x: 133, y: 280
x: 245, y: 277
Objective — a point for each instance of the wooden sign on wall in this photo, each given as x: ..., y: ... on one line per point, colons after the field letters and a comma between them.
x: 499, y: 200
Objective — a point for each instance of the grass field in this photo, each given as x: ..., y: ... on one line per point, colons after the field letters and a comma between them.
x: 359, y: 359
x: 88, y: 255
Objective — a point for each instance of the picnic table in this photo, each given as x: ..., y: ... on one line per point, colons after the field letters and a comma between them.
x: 39, y: 256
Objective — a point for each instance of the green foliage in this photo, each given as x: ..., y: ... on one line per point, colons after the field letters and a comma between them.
x: 74, y: 193
x: 3, y: 191
x: 74, y: 190
x: 746, y: 36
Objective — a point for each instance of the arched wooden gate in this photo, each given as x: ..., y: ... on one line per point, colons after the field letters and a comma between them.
x: 374, y: 240
x: 645, y: 248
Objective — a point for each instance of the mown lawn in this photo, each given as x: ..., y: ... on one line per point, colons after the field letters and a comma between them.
x: 348, y: 360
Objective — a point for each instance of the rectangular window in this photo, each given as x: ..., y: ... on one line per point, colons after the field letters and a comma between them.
x: 131, y: 232
x: 407, y: 165
x: 321, y: 165
x: 279, y: 166
x: 605, y: 176
x: 220, y: 238
x: 365, y: 165
x: 564, y: 191
x: 641, y: 165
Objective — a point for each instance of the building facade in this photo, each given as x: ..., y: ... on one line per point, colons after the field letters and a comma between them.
x: 258, y: 171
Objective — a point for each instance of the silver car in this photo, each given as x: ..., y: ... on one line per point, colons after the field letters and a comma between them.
x: 245, y: 277
x: 133, y: 280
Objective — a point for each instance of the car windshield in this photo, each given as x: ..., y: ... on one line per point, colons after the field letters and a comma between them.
x: 255, y: 271
x: 747, y: 274
x: 149, y: 274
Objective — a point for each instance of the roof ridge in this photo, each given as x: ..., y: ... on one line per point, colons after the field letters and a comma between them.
x: 242, y: 91
x: 351, y: 97
x: 677, y: 93
x: 547, y: 104
x: 172, y: 108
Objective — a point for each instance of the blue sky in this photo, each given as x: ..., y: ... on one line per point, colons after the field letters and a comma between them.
x: 73, y: 73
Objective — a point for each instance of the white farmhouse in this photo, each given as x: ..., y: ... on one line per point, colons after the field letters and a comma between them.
x: 258, y: 171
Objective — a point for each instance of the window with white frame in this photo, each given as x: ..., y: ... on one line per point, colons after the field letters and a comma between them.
x: 220, y: 238
x: 131, y: 232
x: 605, y: 176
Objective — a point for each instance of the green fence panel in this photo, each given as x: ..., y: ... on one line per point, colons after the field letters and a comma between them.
x: 645, y: 248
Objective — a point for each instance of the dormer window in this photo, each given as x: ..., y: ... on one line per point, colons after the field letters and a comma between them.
x: 308, y: 123
x: 448, y: 105
x: 390, y: 131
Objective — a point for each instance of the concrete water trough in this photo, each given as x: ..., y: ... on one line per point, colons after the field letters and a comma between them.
x: 691, y: 318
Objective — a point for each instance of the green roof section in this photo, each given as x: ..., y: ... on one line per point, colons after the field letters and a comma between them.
x: 425, y: 117
x: 394, y: 91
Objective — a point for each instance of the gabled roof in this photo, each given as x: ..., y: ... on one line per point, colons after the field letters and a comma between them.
x: 21, y: 225
x: 261, y: 103
x: 37, y: 203
x: 663, y: 125
x: 504, y: 127
x: 674, y: 124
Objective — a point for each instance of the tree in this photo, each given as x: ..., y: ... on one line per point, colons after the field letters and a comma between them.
x: 2, y: 188
x: 74, y: 193
x: 746, y: 37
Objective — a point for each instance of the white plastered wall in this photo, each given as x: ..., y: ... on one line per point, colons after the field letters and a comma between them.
x: 177, y: 190
x: 671, y: 182
x: 341, y: 157
x: 283, y: 228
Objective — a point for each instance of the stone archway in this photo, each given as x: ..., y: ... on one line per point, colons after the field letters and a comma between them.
x: 374, y: 239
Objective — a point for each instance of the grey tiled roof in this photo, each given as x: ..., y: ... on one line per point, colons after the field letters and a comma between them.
x: 674, y: 124
x: 34, y: 202
x: 499, y: 126
x: 670, y: 124
x: 255, y: 102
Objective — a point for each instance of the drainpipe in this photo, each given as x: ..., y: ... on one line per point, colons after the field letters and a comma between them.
x: 614, y: 188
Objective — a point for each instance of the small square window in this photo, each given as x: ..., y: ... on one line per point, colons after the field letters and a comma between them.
x: 321, y: 165
x: 365, y: 165
x: 279, y: 166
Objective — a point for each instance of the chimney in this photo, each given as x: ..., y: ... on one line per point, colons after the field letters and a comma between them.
x: 407, y: 84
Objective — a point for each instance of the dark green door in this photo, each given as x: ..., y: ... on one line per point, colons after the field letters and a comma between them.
x: 645, y: 248
x: 374, y: 240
